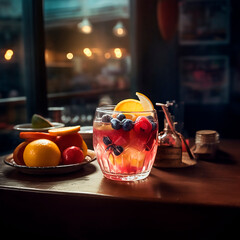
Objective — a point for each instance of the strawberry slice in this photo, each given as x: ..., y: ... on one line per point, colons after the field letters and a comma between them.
x: 142, y: 125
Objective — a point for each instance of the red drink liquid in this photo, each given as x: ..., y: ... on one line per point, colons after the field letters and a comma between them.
x: 125, y: 155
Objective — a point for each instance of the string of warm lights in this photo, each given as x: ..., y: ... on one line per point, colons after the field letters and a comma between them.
x: 116, y: 53
x: 86, y: 27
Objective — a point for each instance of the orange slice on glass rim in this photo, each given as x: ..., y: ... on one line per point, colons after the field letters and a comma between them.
x: 132, y: 105
x: 64, y: 130
x: 129, y: 105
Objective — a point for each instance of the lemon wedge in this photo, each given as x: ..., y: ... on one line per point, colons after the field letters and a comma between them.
x: 145, y: 102
x: 40, y: 122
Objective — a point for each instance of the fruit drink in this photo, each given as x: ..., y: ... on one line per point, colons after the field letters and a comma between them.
x: 125, y: 142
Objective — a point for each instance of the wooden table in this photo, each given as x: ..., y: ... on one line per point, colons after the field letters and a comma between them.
x: 198, y: 202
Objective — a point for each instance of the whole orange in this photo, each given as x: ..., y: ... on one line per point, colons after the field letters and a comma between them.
x: 41, y: 153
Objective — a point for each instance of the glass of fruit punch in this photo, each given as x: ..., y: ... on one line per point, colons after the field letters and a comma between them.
x: 125, y: 138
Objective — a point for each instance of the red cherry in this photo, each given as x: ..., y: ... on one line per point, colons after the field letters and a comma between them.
x: 142, y: 125
x: 72, y: 155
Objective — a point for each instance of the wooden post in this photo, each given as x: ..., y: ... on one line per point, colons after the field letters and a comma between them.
x: 34, y: 47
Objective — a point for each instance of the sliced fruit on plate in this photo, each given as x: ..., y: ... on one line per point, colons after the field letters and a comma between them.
x: 84, y: 148
x: 18, y: 153
x: 64, y: 130
x: 30, y: 136
x: 40, y: 122
x: 69, y: 140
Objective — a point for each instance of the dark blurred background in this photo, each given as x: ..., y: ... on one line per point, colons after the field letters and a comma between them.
x: 79, y: 54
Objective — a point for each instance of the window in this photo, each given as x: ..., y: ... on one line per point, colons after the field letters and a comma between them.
x: 83, y: 69
x: 87, y: 55
x: 12, y: 84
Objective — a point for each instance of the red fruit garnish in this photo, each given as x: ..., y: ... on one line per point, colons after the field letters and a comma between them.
x: 142, y: 125
x: 72, y: 155
x: 119, y: 137
x: 73, y: 139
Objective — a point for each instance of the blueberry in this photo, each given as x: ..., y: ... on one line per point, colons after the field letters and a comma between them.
x: 116, y: 124
x: 110, y: 147
x: 121, y: 116
x: 127, y: 125
x: 125, y: 119
x: 107, y: 140
x: 154, y: 126
x: 118, y: 150
x: 106, y: 118
x: 150, y: 118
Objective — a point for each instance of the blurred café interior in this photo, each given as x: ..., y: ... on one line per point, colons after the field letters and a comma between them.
x: 63, y: 58
x: 71, y: 56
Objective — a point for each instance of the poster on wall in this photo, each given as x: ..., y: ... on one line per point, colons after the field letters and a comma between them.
x: 204, y: 22
x: 204, y: 80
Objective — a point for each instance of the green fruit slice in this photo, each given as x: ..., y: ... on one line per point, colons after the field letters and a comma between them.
x: 40, y: 122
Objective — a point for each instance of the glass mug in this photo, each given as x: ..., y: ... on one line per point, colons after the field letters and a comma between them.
x: 125, y: 143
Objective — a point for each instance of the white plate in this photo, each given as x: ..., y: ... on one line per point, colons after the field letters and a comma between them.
x: 87, y: 134
x: 60, y: 169
x: 27, y: 127
x: 86, y: 129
